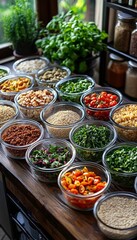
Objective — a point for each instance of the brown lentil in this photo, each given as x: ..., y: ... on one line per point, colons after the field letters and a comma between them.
x: 6, y: 112
x: 20, y: 135
x: 53, y: 75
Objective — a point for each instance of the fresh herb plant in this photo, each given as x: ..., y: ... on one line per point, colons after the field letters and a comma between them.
x: 20, y: 26
x: 71, y: 41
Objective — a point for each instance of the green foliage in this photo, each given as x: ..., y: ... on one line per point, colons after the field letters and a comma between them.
x: 78, y: 7
x: 70, y: 41
x: 19, y: 24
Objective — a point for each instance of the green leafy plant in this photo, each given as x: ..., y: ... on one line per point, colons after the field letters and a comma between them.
x: 20, y: 27
x: 71, y: 41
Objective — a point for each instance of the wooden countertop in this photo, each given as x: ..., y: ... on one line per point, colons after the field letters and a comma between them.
x: 46, y: 204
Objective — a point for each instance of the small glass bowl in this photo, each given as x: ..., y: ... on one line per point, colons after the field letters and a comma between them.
x: 73, y: 96
x: 79, y: 201
x: 33, y: 112
x: 62, y: 129
x: 9, y: 111
x: 106, y: 227
x: 125, y: 180
x: 99, y: 113
x: 92, y: 154
x: 30, y: 65
x: 18, y: 151
x: 124, y: 119
x: 44, y: 174
x: 4, y: 71
x: 9, y: 95
x: 49, y: 76
x: 135, y: 185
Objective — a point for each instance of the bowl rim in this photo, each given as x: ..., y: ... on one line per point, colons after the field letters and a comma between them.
x: 14, y: 76
x: 98, y: 90
x: 45, y: 59
x: 21, y: 121
x: 72, y: 78
x: 80, y: 165
x: 107, y: 196
x: 7, y: 69
x: 11, y: 104
x: 111, y: 148
x: 43, y: 70
x: 135, y: 184
x: 56, y: 104
x: 35, y: 89
x: 97, y: 123
x: 117, y: 108
x: 53, y: 141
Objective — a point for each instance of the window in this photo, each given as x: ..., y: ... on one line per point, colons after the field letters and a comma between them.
x: 45, y: 11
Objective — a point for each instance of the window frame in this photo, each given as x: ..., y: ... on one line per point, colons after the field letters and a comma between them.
x: 45, y: 10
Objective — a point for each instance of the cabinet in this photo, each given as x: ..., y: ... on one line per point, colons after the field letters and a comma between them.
x: 109, y: 4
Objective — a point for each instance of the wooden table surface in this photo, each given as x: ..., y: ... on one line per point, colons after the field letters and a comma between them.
x: 47, y: 205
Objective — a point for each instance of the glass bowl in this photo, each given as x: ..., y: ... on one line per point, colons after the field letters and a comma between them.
x: 116, y: 215
x: 124, y: 119
x: 60, y: 117
x: 91, y: 138
x: 120, y: 160
x: 12, y: 84
x: 31, y: 102
x: 4, y: 71
x: 48, y: 157
x: 99, y: 102
x: 49, y: 76
x: 8, y: 111
x: 17, y: 135
x: 71, y: 88
x: 135, y: 185
x: 30, y: 65
x: 82, y: 184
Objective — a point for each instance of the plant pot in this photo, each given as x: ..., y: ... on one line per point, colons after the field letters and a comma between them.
x: 25, y: 50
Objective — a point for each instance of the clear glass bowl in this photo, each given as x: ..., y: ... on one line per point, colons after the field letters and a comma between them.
x: 135, y: 185
x: 73, y: 95
x: 57, y: 118
x: 111, y: 199
x: 33, y: 112
x: 49, y: 76
x: 79, y: 201
x: 9, y: 95
x: 124, y: 120
x: 123, y: 179
x: 4, y: 71
x: 30, y: 65
x: 18, y: 151
x: 100, y: 113
x: 44, y: 174
x: 9, y: 112
x: 91, y: 154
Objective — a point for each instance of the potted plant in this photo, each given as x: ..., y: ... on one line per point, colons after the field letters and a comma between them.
x: 71, y: 41
x: 21, y: 28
